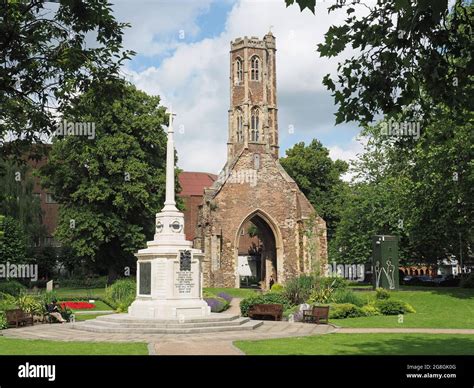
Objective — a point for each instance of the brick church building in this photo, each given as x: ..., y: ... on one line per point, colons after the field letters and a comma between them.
x: 253, y: 191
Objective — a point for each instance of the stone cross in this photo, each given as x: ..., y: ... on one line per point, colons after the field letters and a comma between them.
x: 170, y: 203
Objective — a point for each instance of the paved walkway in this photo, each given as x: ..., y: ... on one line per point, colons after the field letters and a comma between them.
x: 234, y: 308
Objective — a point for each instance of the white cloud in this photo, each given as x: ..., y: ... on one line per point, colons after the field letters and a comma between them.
x: 156, y: 25
x: 195, y: 77
x: 348, y: 153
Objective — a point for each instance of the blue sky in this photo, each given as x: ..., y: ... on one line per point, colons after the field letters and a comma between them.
x: 183, y: 55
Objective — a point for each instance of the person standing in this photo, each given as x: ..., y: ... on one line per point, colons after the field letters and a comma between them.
x: 271, y: 281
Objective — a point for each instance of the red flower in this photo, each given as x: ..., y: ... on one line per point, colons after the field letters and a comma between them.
x: 77, y: 305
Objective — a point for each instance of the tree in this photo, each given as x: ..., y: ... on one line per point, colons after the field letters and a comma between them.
x: 12, y: 242
x: 111, y: 185
x: 440, y: 195
x: 414, y: 57
x: 45, y: 63
x: 18, y: 201
x: 423, y: 194
x: 319, y: 178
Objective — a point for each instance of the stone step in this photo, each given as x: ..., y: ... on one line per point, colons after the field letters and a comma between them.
x: 146, y: 325
x: 91, y: 327
x: 125, y: 318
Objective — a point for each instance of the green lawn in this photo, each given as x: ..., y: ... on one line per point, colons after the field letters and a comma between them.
x: 435, y: 308
x: 363, y: 344
x: 234, y: 292
x: 85, y: 317
x: 11, y: 346
x: 75, y: 292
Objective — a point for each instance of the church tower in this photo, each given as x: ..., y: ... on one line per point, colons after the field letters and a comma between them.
x: 253, y: 105
x: 254, y: 223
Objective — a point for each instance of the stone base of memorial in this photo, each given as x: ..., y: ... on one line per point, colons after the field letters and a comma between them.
x: 169, y: 282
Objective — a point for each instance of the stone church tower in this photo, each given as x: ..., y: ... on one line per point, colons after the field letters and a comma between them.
x: 253, y: 190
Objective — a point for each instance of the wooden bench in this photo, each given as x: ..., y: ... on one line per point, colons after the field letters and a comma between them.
x: 266, y: 310
x: 316, y: 314
x: 18, y: 317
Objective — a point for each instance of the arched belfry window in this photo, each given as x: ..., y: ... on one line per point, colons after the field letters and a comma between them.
x: 240, y: 126
x: 255, y: 125
x: 238, y: 71
x: 255, y: 68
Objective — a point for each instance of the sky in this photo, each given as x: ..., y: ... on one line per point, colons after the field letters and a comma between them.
x: 182, y: 55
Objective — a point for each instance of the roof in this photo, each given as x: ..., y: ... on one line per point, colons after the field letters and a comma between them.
x: 194, y: 183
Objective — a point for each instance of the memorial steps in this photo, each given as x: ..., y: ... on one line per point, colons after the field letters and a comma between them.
x: 123, y: 323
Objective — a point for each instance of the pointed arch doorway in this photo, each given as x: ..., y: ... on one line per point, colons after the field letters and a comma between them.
x: 258, y: 251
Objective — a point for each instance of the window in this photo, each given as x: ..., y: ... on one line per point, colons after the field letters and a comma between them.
x: 240, y: 127
x: 50, y: 198
x: 254, y: 125
x: 256, y: 161
x: 255, y: 68
x: 238, y: 72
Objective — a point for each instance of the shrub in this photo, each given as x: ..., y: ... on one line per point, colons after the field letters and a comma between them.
x: 121, y: 294
x: 225, y: 296
x: 382, y: 293
x: 393, y: 307
x: 336, y: 282
x: 369, y: 310
x: 346, y: 296
x: 468, y: 282
x: 217, y: 304
x: 277, y: 288
x: 30, y: 304
x: 321, y: 295
x: 7, y: 302
x: 298, y: 290
x: 409, y: 308
x: 3, y: 321
x: 344, y: 310
x: 269, y: 298
x: 12, y: 287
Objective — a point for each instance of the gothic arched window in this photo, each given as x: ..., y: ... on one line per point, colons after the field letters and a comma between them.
x: 238, y: 71
x: 254, y: 125
x: 255, y: 68
x: 240, y: 127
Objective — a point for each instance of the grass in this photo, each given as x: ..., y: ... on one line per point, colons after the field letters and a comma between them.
x: 11, y: 346
x: 85, y: 317
x: 363, y: 344
x: 234, y: 292
x: 75, y: 292
x: 435, y: 308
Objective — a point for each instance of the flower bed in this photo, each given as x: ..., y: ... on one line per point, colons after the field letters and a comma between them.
x: 78, y: 305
